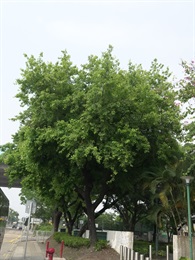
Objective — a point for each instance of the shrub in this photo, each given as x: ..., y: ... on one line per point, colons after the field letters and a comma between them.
x: 143, y: 247
x: 71, y: 241
x: 44, y: 227
x: 101, y: 244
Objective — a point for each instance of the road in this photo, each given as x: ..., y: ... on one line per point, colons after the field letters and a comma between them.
x: 11, y: 237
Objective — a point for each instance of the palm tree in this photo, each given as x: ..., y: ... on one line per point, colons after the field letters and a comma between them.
x: 165, y: 187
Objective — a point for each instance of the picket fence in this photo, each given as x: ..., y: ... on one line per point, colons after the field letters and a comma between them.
x: 129, y: 254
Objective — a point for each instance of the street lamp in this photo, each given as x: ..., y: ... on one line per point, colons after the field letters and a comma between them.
x: 187, y: 180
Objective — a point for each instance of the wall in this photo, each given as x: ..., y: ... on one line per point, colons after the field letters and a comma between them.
x: 181, y: 247
x: 117, y: 238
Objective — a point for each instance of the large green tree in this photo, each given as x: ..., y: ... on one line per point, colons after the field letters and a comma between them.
x: 84, y: 130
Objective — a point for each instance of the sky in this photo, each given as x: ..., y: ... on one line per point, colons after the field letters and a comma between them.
x: 139, y: 31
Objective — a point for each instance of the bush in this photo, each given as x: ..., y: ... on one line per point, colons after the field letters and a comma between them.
x: 44, y: 227
x: 143, y: 247
x: 71, y: 241
x: 184, y: 258
x: 101, y: 244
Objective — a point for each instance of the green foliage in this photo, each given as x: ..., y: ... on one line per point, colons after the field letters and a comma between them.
x: 101, y: 244
x: 44, y: 227
x: 184, y: 258
x: 143, y: 247
x: 186, y: 96
x: 77, y: 242
x: 108, y: 221
x: 86, y: 133
x: 13, y: 216
x: 71, y: 241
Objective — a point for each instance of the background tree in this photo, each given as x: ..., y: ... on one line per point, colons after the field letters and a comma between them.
x: 109, y: 221
x: 134, y: 206
x: 186, y: 90
x: 13, y: 216
x: 186, y: 93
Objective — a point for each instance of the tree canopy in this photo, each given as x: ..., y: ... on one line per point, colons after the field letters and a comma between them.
x: 89, y: 132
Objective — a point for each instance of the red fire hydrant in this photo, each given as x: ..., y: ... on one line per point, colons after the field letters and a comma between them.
x: 50, y: 252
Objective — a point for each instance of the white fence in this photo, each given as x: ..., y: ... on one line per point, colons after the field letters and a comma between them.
x: 129, y: 254
x: 42, y: 236
x: 39, y: 236
x: 30, y: 234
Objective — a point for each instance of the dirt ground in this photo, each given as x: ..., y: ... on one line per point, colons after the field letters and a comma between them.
x: 84, y: 253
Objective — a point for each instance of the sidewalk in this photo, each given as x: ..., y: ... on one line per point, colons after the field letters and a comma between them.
x: 34, y: 251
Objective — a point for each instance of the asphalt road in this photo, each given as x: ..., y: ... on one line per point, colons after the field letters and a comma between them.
x: 11, y: 237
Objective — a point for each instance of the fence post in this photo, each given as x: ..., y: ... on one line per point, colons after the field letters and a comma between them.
x: 136, y: 255
x: 121, y: 252
x: 150, y: 252
x: 132, y: 254
x: 141, y: 257
x: 61, y: 248
x: 124, y: 253
x: 167, y: 250
x: 129, y: 254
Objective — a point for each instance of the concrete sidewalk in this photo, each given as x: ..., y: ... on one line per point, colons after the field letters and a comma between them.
x: 34, y: 251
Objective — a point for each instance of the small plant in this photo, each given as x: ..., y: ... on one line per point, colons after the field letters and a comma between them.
x: 184, y: 258
x: 101, y: 244
x: 161, y: 253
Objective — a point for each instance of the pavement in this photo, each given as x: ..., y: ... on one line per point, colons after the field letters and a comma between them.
x: 16, y: 246
x: 32, y: 250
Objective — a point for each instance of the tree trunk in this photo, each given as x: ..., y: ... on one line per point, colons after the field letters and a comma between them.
x: 133, y: 221
x: 92, y: 227
x: 69, y: 223
x: 70, y: 219
x: 69, y: 227
x: 86, y: 194
x: 56, y: 219
x: 90, y: 209
x: 83, y: 229
x: 154, y: 233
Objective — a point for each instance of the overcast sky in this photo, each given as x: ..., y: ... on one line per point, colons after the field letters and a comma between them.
x: 138, y: 30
